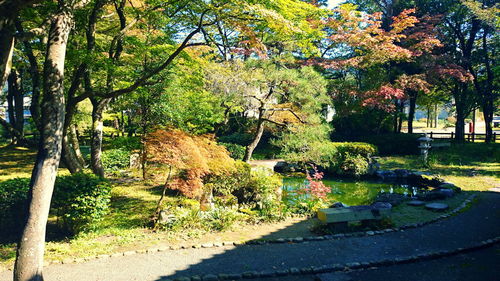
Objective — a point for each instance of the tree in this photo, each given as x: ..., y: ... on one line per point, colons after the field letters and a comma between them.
x: 193, y: 158
x: 271, y: 92
x: 29, y: 258
x: 9, y: 9
x: 359, y: 42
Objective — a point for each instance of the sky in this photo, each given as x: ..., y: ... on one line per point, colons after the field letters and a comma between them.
x: 334, y: 3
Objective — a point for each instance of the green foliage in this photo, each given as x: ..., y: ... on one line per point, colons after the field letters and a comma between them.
x: 235, y: 150
x: 356, y: 148
x: 306, y: 148
x: 388, y: 144
x: 192, y: 219
x: 351, y: 158
x: 306, y: 144
x: 242, y: 139
x: 258, y: 189
x: 299, y: 202
x: 353, y: 165
x: 115, y: 159
x: 126, y: 143
x: 13, y: 195
x: 265, y: 191
x: 80, y: 200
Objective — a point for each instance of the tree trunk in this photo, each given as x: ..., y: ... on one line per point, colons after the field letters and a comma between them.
x: 29, y: 259
x: 98, y: 107
x: 69, y: 156
x: 395, y: 121
x: 18, y: 102
x: 428, y: 119
x: 488, y: 97
x: 401, y: 115
x: 73, y: 139
x: 258, y: 135
x: 16, y: 106
x: 488, y: 120
x: 7, y: 30
x: 411, y: 112
x: 460, y: 125
x: 10, y: 103
x: 436, y: 115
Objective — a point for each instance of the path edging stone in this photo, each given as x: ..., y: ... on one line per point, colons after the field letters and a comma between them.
x: 458, y: 209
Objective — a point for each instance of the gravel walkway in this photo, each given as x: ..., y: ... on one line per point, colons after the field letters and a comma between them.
x: 479, y: 223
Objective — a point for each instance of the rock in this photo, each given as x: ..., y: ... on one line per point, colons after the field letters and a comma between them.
x: 210, y: 277
x: 436, y: 206
x: 447, y: 192
x: 284, y: 167
x: 267, y: 273
x: 381, y: 205
x: 294, y: 271
x: 165, y: 218
x: 402, y: 173
x: 415, y: 203
x: 135, y: 161
x: 250, y: 274
x: 383, y: 174
x: 393, y: 198
x: 335, y: 276
x: 447, y: 185
x: 432, y: 195
x: 338, y: 205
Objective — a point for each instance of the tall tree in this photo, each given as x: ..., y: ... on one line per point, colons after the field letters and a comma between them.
x: 29, y: 258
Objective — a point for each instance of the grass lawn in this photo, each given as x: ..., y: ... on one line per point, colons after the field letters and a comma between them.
x: 471, y: 166
x: 404, y: 214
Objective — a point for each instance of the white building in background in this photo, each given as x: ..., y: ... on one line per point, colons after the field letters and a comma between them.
x: 26, y: 110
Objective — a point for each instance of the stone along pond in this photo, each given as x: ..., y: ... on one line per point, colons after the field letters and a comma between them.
x: 354, y: 192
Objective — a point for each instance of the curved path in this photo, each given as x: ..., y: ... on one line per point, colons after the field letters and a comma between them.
x: 480, y: 223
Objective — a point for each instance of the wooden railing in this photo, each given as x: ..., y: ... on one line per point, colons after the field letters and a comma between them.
x: 471, y: 137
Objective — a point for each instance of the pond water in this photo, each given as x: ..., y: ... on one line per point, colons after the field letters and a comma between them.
x: 354, y: 192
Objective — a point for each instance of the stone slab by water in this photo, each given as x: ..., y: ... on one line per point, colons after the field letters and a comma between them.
x: 436, y: 206
x: 415, y: 203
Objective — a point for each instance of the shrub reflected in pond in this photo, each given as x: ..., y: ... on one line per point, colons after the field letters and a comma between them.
x: 353, y: 192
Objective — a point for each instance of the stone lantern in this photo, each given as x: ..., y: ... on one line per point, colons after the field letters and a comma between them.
x: 425, y: 145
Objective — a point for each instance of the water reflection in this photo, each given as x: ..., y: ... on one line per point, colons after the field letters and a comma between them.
x: 354, y: 192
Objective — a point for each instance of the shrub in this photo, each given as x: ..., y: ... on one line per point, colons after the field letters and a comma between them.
x: 388, y: 144
x: 13, y: 195
x: 346, y: 158
x: 126, y: 143
x: 219, y: 218
x: 243, y: 139
x: 264, y: 189
x: 259, y: 189
x: 228, y: 184
x: 355, y: 148
x: 352, y: 165
x: 235, y: 150
x: 80, y: 200
x: 305, y: 145
x: 195, y: 157
x: 115, y: 159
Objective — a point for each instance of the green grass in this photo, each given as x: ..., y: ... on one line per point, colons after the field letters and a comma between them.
x: 404, y: 214
x: 471, y: 166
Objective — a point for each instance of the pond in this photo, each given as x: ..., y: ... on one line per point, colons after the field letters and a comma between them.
x: 354, y: 192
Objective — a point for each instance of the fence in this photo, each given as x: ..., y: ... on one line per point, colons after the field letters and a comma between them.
x: 471, y: 137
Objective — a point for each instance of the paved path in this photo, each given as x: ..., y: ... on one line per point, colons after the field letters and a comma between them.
x: 479, y: 223
x: 479, y: 265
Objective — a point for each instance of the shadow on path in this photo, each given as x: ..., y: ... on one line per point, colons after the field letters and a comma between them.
x: 463, y: 230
